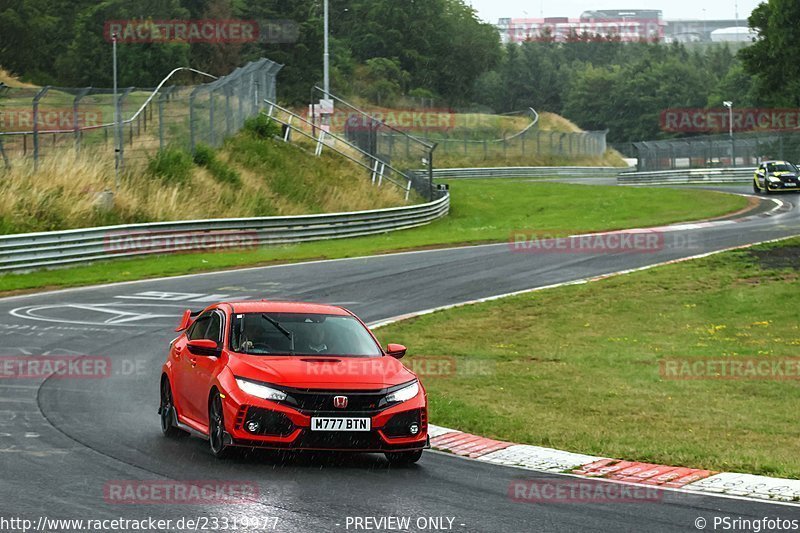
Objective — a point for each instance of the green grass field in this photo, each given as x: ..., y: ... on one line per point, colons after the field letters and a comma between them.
x: 578, y: 367
x: 482, y: 211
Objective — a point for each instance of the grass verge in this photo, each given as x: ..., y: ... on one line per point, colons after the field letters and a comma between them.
x: 482, y: 211
x: 249, y: 176
x: 578, y: 367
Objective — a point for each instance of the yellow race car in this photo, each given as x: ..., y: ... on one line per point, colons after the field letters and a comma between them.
x: 776, y: 176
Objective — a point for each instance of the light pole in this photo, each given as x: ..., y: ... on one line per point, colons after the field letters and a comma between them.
x: 116, y: 114
x: 327, y: 55
x: 729, y: 105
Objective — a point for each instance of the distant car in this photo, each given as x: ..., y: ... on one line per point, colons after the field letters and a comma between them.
x: 291, y: 376
x: 776, y: 176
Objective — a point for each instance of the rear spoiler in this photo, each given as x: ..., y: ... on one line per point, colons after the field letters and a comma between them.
x: 186, y: 320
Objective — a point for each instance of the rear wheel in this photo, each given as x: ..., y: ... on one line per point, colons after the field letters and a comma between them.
x: 167, y: 412
x: 403, y: 458
x: 216, y: 427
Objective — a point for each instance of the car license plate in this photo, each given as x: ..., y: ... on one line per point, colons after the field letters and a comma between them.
x: 790, y: 184
x: 340, y: 424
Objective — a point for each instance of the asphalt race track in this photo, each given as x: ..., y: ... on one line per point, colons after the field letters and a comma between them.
x: 62, y: 441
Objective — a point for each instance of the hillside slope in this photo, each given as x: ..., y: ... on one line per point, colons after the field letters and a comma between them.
x: 248, y: 177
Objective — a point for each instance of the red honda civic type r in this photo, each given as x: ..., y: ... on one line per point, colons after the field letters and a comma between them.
x: 291, y: 376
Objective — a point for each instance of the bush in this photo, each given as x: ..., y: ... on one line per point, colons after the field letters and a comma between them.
x: 170, y: 165
x: 262, y: 127
x: 223, y: 173
x: 204, y: 155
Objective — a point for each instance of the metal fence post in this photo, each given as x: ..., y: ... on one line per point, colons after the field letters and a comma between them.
x: 121, y: 132
x: 6, y: 162
x: 75, y: 126
x: 228, y: 112
x: 36, y: 99
x: 192, y: 139
x: 162, y: 99
x: 212, y: 138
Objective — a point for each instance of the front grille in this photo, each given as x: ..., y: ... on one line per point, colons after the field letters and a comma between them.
x: 310, y: 401
x: 317, y: 401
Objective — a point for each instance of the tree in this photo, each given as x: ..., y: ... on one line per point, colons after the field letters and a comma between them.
x: 88, y: 60
x: 772, y: 59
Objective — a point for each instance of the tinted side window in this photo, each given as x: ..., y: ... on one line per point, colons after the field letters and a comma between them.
x: 199, y: 328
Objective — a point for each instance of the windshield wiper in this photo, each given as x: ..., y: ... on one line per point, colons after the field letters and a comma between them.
x: 289, y: 335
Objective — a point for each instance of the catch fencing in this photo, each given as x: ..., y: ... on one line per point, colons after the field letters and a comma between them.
x: 39, y: 123
x: 531, y: 142
x: 743, y: 150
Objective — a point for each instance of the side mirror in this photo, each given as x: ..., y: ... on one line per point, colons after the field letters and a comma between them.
x: 396, y: 350
x: 204, y: 347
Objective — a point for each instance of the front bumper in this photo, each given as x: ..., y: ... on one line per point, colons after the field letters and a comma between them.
x: 785, y: 185
x: 282, y: 427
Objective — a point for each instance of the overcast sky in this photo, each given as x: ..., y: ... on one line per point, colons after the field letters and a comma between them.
x: 491, y: 10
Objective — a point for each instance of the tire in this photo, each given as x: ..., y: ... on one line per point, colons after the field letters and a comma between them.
x: 403, y: 458
x: 216, y: 428
x: 756, y: 188
x: 167, y: 413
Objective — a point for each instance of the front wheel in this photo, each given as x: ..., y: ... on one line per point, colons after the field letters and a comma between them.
x: 216, y: 428
x: 756, y: 188
x: 403, y: 458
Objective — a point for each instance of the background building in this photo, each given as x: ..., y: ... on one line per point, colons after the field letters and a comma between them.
x: 627, y: 25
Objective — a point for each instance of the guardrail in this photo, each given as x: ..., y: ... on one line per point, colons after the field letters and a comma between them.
x: 36, y: 250
x: 687, y: 176
x: 528, y: 172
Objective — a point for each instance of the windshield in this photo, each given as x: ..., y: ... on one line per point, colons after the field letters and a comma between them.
x: 301, y: 334
x: 781, y: 167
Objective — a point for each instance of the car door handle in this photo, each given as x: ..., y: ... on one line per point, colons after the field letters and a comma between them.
x: 193, y: 361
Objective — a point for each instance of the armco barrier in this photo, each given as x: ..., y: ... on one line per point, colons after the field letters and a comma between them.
x: 35, y: 250
x: 528, y: 172
x: 687, y: 176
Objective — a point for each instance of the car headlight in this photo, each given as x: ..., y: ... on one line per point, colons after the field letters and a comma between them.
x: 774, y: 179
x: 404, y: 394
x: 260, y: 391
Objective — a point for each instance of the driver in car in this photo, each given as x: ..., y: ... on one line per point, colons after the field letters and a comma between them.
x: 316, y: 339
x: 254, y: 334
